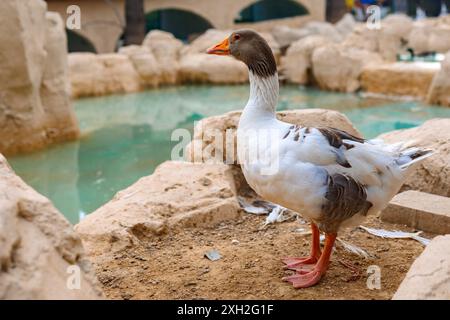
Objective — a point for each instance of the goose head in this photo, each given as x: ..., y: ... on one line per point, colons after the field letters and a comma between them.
x: 250, y: 48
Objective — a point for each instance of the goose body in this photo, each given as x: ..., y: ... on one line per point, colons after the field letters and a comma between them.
x: 328, y: 175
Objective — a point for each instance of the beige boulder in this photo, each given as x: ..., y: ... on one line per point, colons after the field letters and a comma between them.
x: 419, y: 210
x: 429, y: 276
x: 205, y: 146
x: 101, y: 74
x: 338, y: 68
x: 433, y: 174
x: 439, y: 92
x: 346, y: 25
x: 400, y: 78
x: 35, y: 109
x: 85, y: 71
x: 206, y: 40
x: 176, y: 195
x: 166, y: 49
x: 145, y: 64
x: 363, y: 38
x: 296, y: 65
x: 389, y: 40
x: 118, y: 74
x: 286, y: 35
x: 40, y: 254
x: 399, y: 24
x: 205, y: 68
x: 393, y: 35
x: 430, y: 35
x: 325, y: 29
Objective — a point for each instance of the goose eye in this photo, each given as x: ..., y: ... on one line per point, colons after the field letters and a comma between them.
x: 236, y: 37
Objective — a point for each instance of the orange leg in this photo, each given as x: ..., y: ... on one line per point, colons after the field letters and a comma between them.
x: 297, y: 264
x: 308, y: 279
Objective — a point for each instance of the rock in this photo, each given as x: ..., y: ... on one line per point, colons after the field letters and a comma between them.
x: 433, y: 174
x: 85, y: 71
x: 286, y: 35
x: 419, y: 210
x: 176, y: 195
x: 430, y: 35
x: 296, y: 65
x: 203, y: 147
x: 388, y: 41
x: 429, y: 276
x: 401, y: 78
x: 393, y: 36
x: 39, y: 251
x: 166, y: 49
x: 206, y: 40
x: 101, y: 74
x: 145, y: 64
x: 118, y: 74
x: 205, y: 68
x: 399, y: 24
x: 338, y: 68
x: 35, y: 108
x: 346, y: 25
x: 439, y: 92
x: 325, y: 29
x: 363, y: 38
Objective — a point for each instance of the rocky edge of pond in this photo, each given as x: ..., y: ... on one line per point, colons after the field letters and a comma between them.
x: 38, y: 244
x: 41, y: 256
x: 35, y: 105
x: 345, y: 57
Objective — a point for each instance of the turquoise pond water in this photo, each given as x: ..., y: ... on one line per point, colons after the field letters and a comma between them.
x: 124, y: 137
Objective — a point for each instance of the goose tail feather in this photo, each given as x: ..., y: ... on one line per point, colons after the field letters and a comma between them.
x: 412, y: 156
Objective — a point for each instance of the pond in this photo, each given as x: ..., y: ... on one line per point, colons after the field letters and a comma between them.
x: 124, y: 137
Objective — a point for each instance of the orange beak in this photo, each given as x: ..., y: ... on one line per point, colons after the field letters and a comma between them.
x: 221, y: 49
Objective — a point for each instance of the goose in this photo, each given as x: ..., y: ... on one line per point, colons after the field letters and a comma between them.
x: 331, y: 177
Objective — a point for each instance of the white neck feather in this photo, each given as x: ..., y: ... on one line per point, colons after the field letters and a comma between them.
x: 263, y: 99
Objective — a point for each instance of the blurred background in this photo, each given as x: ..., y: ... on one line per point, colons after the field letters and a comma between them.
x: 110, y: 24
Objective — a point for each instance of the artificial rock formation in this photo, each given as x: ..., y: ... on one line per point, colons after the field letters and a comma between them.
x: 401, y: 78
x: 144, y: 63
x: 205, y: 147
x: 430, y: 35
x: 439, y: 92
x: 433, y: 174
x: 419, y: 210
x: 35, y: 108
x: 286, y: 35
x: 338, y: 68
x: 205, y: 68
x: 166, y: 49
x: 429, y: 276
x: 101, y: 74
x: 296, y: 65
x: 389, y: 40
x: 177, y: 194
x: 39, y: 251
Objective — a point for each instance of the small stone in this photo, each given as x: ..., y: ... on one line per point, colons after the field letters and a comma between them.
x: 235, y: 242
x: 428, y: 277
x: 420, y: 210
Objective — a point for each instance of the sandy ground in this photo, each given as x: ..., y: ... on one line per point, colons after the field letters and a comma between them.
x: 174, y: 266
